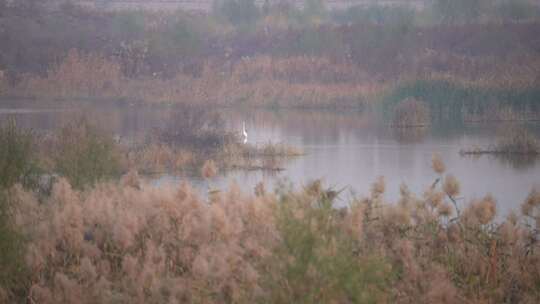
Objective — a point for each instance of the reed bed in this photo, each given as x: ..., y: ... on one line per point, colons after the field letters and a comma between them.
x: 252, y: 82
x: 512, y: 141
x: 130, y: 242
x: 451, y: 98
x: 476, y: 89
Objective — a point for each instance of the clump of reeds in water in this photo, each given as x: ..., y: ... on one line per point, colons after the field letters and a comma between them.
x: 410, y: 112
x: 272, y: 149
x: 269, y: 156
x: 513, y: 141
x: 518, y: 141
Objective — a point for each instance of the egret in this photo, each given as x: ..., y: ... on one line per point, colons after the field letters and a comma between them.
x: 244, y: 132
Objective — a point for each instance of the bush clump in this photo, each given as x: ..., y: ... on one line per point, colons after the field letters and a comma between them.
x: 16, y: 157
x: 16, y: 166
x: 84, y: 155
x: 411, y: 112
x: 517, y: 140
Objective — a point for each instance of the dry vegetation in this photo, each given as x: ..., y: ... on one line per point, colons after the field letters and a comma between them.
x: 512, y: 141
x: 411, y: 113
x: 130, y: 242
x: 477, y: 58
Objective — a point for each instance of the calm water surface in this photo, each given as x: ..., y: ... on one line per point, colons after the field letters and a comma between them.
x: 343, y: 149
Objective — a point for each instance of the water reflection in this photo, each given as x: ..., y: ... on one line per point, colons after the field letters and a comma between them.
x: 410, y: 135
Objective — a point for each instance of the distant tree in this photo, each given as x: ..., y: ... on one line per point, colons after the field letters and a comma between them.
x: 237, y: 12
x: 3, y: 7
x: 28, y: 7
x: 315, y: 10
x: 517, y: 10
x: 459, y: 11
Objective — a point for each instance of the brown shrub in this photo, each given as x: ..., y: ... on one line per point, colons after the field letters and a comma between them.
x: 411, y: 113
x: 79, y: 75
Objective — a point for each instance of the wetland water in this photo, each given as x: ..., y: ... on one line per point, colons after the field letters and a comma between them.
x: 348, y: 149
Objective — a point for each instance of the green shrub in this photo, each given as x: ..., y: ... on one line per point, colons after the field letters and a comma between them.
x: 380, y: 15
x: 16, y: 159
x: 458, y: 11
x: 517, y: 10
x: 241, y: 13
x: 317, y: 260
x: 85, y: 155
x: 13, y: 273
x: 16, y: 166
x: 448, y: 99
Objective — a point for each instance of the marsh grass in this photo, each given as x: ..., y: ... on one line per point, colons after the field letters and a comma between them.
x: 14, y: 274
x: 84, y: 154
x: 133, y: 242
x: 518, y: 140
x: 447, y: 98
x: 159, y: 158
x: 513, y: 141
x: 194, y: 127
x: 410, y: 113
x: 266, y: 157
x: 17, y: 166
x: 17, y: 160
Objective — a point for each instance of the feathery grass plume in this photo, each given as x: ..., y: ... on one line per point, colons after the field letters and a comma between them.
x: 454, y: 233
x: 406, y: 197
x: 486, y: 209
x: 209, y: 169
x: 397, y: 216
x: 378, y: 187
x: 442, y: 290
x: 131, y: 179
x: 445, y: 210
x: 531, y: 203
x: 314, y: 188
x: 451, y: 186
x: 437, y: 164
x: 434, y: 197
x: 260, y: 189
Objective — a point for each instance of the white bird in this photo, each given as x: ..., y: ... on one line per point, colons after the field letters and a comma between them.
x: 244, y: 132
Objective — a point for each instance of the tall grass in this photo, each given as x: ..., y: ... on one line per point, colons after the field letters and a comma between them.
x: 317, y: 260
x: 85, y: 155
x: 16, y: 155
x: 78, y: 75
x: 132, y: 242
x: 17, y: 165
x: 450, y: 99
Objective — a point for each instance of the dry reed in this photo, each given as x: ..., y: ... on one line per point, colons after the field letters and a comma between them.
x: 137, y: 243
